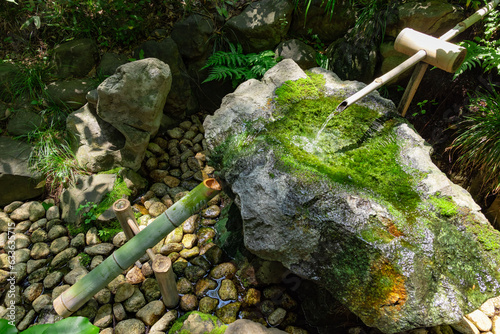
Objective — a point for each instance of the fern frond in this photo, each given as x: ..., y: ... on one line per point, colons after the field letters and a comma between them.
x: 224, y: 72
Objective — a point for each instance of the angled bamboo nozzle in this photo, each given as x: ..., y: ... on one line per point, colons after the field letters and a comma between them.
x: 76, y: 296
x: 421, y: 47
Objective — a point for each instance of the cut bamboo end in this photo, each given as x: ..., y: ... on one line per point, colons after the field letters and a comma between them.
x: 162, y: 267
x: 212, y: 184
x: 123, y: 212
x: 60, y: 308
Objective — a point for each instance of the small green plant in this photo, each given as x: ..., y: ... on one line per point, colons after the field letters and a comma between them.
x: 478, y: 142
x: 423, y: 105
x: 88, y: 213
x: 84, y: 259
x: 237, y: 66
x: 107, y: 233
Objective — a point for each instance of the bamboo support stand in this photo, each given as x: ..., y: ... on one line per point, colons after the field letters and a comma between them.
x: 162, y: 266
x: 76, y: 296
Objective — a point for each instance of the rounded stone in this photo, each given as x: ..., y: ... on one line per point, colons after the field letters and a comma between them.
x: 191, y: 224
x: 39, y: 235
x: 170, y: 248
x: 175, y: 236
x: 190, y: 253
x: 22, y: 255
x: 103, y: 296
x: 135, y: 302
x: 228, y: 313
x: 203, y: 286
x: 78, y: 241
x: 150, y: 289
x: 226, y: 269
x: 59, y: 244
x: 160, y: 189
x: 123, y: 292
x: 277, y: 316
x: 205, y: 234
x: 53, y: 213
x: 194, y: 273
x: 188, y: 302
x: 100, y: 249
x: 130, y: 326
x: 52, y: 279
x: 208, y: 304
x: 119, y: 312
x: 36, y: 211
x: 214, y: 255
x: 96, y: 260
x: 41, y: 301
x: 151, y: 312
x: 22, y: 226
x: 63, y: 257
x: 21, y: 241
x: 57, y: 231
x: 119, y: 239
x: 33, y: 291
x: 189, y: 240
x: 157, y: 209
x: 35, y: 265
x: 227, y: 290
x: 40, y: 250
x: 75, y: 275
x: 104, y: 316
x: 213, y: 211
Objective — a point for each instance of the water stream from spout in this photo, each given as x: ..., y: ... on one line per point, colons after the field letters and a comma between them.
x: 337, y: 110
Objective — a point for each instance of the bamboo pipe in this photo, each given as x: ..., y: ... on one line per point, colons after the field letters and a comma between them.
x: 413, y: 60
x: 162, y: 266
x: 419, y: 71
x: 76, y: 296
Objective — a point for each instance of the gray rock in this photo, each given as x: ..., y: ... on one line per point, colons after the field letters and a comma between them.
x: 433, y: 17
x: 21, y: 255
x: 318, y: 21
x: 227, y: 290
x: 48, y: 316
x: 358, y: 233
x: 27, y: 320
x: 208, y: 304
x: 151, y: 312
x: 86, y: 189
x: 135, y: 302
x: 41, y: 301
x: 180, y: 98
x: 52, y: 279
x: 130, y: 326
x: 110, y: 62
x: 103, y: 296
x: 188, y: 302
x: 52, y: 213
x: 69, y: 93
x: 75, y: 275
x: 261, y: 25
x: 150, y: 289
x: 78, y: 241
x: 5, y: 223
x: 243, y: 326
x: 119, y: 312
x: 23, y: 122
x: 100, y: 249
x: 96, y: 260
x: 8, y: 209
x: 39, y: 235
x: 57, y: 231
x: 104, y: 316
x: 59, y: 244
x: 40, y: 223
x: 277, y: 316
x: 63, y: 257
x: 33, y: 265
x: 75, y: 58
x: 58, y: 290
x: 40, y: 250
x: 89, y: 310
x: 119, y: 239
x: 36, y: 211
x: 228, y: 313
x: 22, y: 227
x: 164, y: 322
x: 21, y: 212
x: 192, y: 36
x: 123, y: 292
x: 301, y: 53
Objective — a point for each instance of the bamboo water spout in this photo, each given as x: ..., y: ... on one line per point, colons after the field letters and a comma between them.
x: 424, y: 50
x: 76, y: 296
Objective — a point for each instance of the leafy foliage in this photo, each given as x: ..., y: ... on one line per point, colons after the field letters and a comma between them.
x: 79, y: 325
x: 478, y: 142
x: 484, y: 51
x: 237, y: 66
x: 88, y: 213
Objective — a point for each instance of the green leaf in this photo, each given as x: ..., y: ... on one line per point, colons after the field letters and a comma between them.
x: 80, y: 325
x: 12, y: 1
x: 6, y: 328
x: 37, y: 21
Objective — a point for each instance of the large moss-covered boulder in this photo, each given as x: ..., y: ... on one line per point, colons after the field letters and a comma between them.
x: 360, y: 208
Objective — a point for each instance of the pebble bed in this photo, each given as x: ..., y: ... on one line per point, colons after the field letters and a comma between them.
x: 47, y: 260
